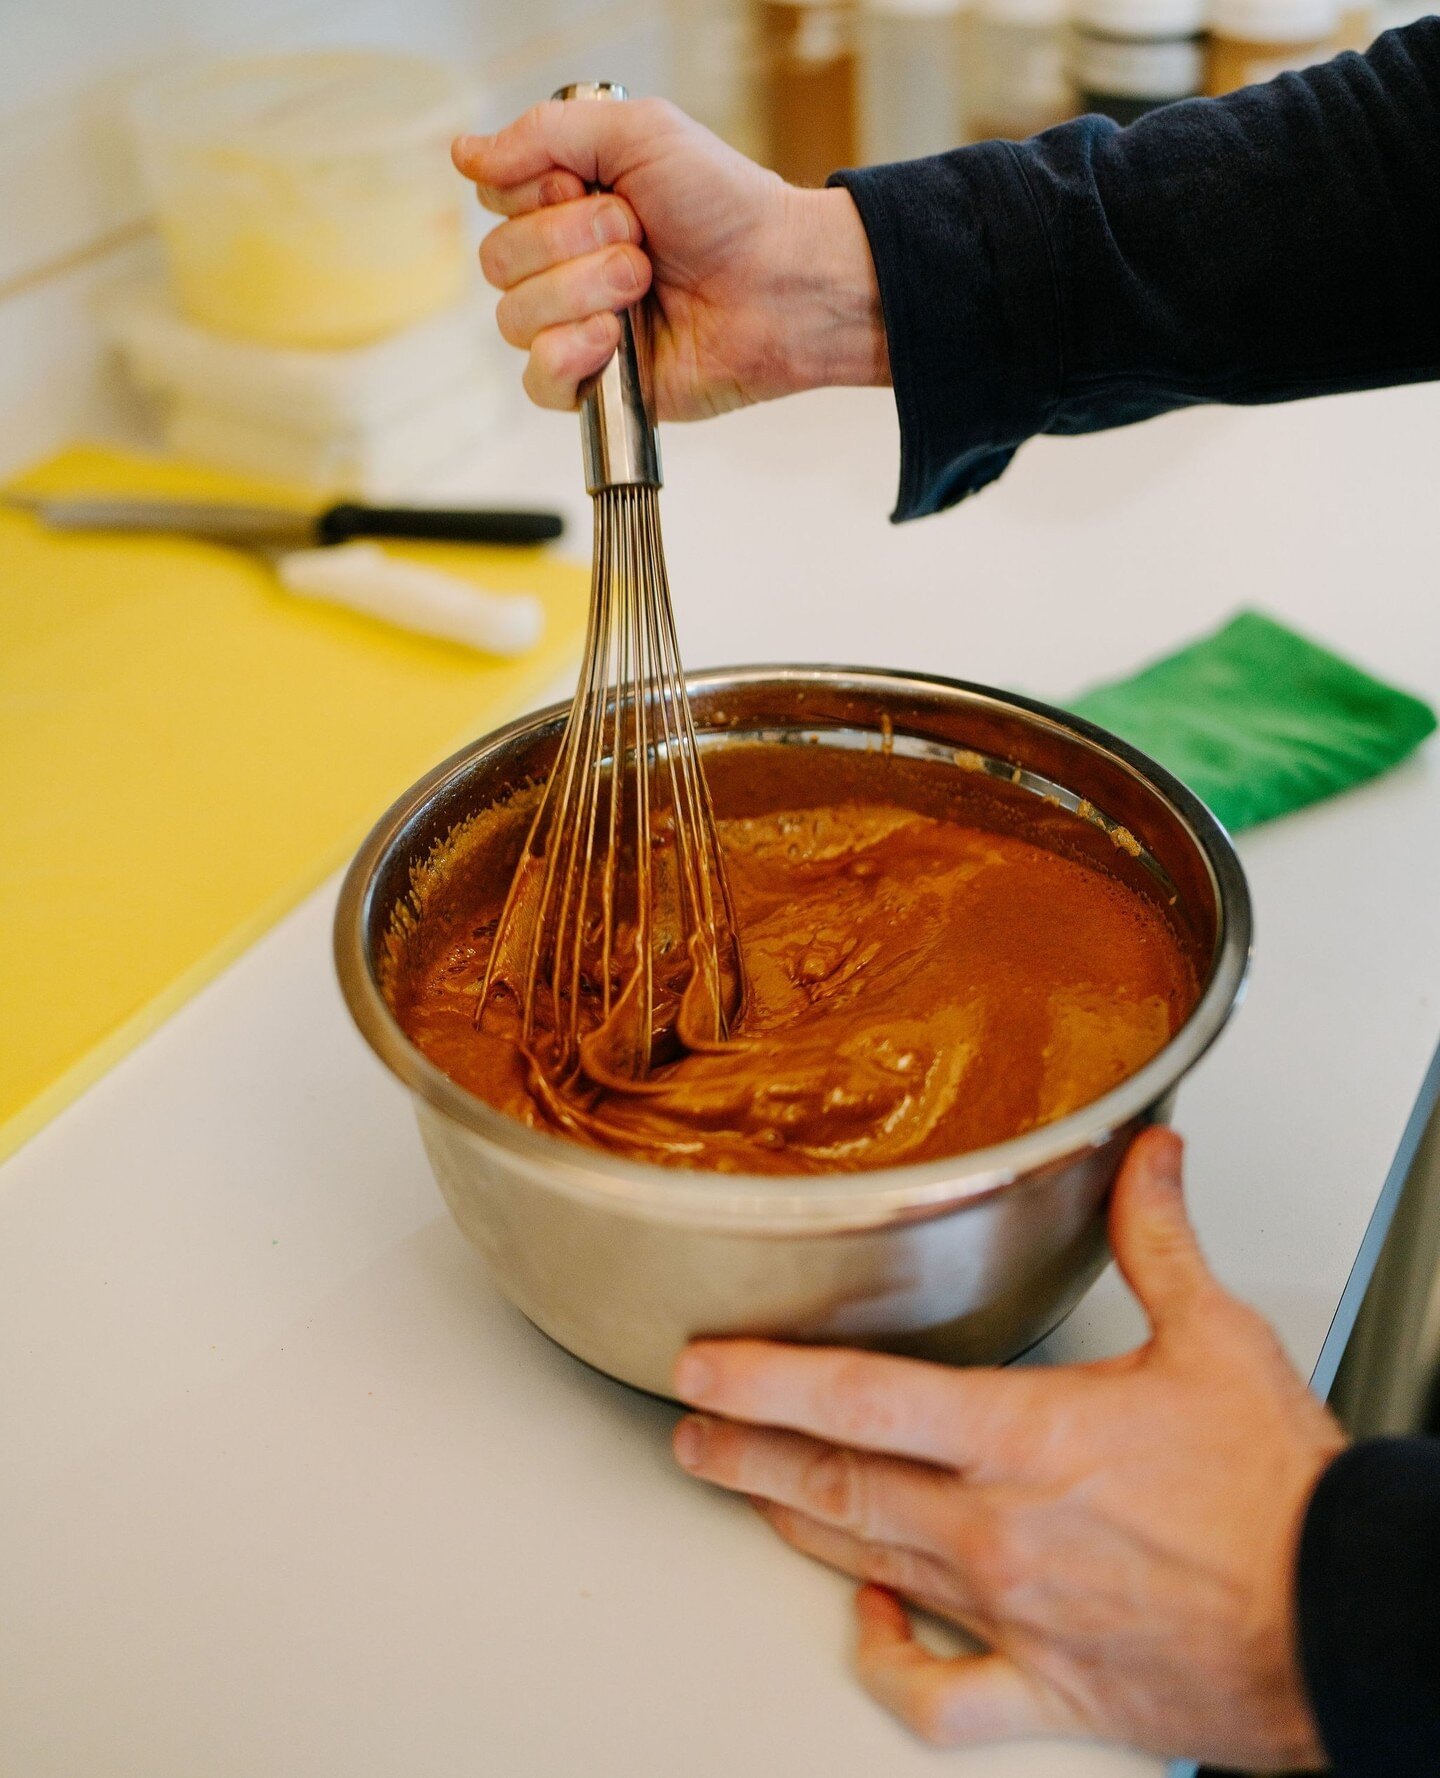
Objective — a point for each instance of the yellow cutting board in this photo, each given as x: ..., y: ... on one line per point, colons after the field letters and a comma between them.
x: 186, y: 751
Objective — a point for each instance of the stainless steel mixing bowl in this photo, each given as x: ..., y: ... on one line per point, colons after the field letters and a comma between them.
x: 969, y: 1260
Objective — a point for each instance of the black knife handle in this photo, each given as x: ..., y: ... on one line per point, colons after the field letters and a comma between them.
x: 436, y: 524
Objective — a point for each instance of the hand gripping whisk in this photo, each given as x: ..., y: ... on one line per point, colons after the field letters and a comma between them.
x: 618, y: 940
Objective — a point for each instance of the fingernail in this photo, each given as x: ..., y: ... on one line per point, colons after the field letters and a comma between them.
x: 469, y: 144
x: 689, y: 1442
x: 624, y: 279
x: 694, y: 1377
x: 1163, y: 1152
x: 610, y: 224
x: 1160, y: 1160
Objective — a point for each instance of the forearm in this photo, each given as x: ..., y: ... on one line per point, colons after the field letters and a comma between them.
x: 1282, y: 242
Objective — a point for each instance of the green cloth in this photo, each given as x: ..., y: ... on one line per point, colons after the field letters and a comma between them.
x: 1258, y: 721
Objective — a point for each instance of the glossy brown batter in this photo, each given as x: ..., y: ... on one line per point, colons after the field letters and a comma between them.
x: 924, y: 976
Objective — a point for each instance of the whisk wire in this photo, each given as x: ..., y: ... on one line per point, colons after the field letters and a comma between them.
x: 603, y: 991
x: 621, y: 879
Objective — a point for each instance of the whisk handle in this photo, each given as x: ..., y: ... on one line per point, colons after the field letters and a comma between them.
x: 617, y: 404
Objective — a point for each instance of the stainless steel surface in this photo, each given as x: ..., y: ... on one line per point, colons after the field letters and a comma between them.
x: 971, y: 1259
x: 1388, y: 1383
x: 222, y: 522
x: 617, y: 406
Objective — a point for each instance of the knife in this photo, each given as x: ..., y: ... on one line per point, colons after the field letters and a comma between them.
x: 277, y: 527
x: 335, y: 566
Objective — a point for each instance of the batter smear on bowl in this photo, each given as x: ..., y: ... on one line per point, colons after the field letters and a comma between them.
x: 934, y: 963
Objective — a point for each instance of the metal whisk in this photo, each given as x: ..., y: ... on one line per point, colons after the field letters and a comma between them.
x: 618, y: 940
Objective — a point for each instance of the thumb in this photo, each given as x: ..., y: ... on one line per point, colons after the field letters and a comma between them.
x: 1154, y: 1244
x: 962, y: 1702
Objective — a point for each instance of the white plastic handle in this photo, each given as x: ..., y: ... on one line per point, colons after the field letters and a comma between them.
x: 414, y: 597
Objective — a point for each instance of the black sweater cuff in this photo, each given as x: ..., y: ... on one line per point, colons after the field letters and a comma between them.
x: 1369, y: 1609
x: 971, y: 317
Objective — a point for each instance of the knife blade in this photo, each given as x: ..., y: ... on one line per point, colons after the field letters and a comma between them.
x: 277, y: 527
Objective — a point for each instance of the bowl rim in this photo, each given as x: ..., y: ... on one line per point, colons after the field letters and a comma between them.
x: 791, y: 1201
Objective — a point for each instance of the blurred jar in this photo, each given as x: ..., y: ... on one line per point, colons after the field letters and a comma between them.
x: 1020, y: 80
x: 1131, y: 56
x: 712, y: 67
x: 912, y: 58
x: 806, y: 51
x: 1359, y: 26
x: 1254, y: 40
x: 307, y: 200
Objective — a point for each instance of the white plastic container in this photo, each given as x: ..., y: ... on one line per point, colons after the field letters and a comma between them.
x: 1021, y: 81
x: 714, y: 59
x: 1142, y: 20
x: 1125, y: 79
x: 379, y: 420
x: 912, y: 99
x: 307, y: 200
x: 1131, y: 56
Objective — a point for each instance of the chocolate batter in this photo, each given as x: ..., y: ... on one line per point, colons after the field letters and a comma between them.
x: 934, y: 963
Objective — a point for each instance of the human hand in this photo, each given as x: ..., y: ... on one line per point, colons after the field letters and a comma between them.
x: 1120, y: 1536
x: 759, y: 289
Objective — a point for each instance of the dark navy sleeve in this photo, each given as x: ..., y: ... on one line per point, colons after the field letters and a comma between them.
x: 1369, y: 1609
x: 1282, y: 241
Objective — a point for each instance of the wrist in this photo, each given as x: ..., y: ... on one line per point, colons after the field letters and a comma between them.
x: 830, y: 296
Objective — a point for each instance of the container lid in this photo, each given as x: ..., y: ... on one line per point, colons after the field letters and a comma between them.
x: 1276, y: 21
x: 1107, y: 67
x: 301, y: 389
x: 326, y: 102
x: 1039, y: 13
x: 1143, y: 18
x: 914, y: 9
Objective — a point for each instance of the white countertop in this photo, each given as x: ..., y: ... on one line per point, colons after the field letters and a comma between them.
x: 287, y: 1490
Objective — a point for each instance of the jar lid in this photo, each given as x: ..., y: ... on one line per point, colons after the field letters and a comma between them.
x: 1277, y: 21
x: 915, y: 9
x: 1107, y: 67
x: 1143, y: 18
x: 1024, y: 12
